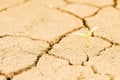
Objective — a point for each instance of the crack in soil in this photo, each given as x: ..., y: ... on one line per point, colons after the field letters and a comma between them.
x: 60, y: 38
x: 113, y: 43
x: 83, y: 19
x: 40, y: 55
x: 99, y: 53
x: 73, y: 14
x: 87, y: 60
x: 70, y: 13
x: 8, y: 78
x: 72, y: 2
x: 95, y: 13
x: 104, y: 40
x: 95, y: 71
x: 17, y: 4
x: 34, y: 39
x: 68, y: 2
x: 115, y: 3
x: 10, y: 75
x: 67, y: 33
x: 61, y: 58
x: 85, y: 24
x: 51, y: 45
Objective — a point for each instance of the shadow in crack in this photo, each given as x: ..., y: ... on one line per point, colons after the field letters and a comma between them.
x: 8, y: 78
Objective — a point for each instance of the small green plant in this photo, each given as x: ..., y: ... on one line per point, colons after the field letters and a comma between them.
x: 87, y: 35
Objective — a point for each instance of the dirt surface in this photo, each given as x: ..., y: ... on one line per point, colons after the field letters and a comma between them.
x: 38, y: 40
x: 2, y: 78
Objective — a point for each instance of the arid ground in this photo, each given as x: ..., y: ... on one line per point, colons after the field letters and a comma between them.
x: 38, y: 40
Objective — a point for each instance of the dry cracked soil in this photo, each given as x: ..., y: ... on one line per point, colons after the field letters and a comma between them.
x: 38, y: 40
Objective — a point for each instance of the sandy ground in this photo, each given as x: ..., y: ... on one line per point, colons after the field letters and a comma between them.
x: 38, y: 40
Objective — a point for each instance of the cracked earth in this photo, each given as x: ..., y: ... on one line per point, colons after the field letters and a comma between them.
x: 38, y: 41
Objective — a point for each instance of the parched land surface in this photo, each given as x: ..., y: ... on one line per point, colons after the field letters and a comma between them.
x: 38, y: 40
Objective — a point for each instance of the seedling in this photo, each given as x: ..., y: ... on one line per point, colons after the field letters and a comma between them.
x: 87, y: 35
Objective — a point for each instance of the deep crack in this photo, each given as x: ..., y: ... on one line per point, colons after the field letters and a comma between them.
x: 8, y: 78
x: 38, y: 57
x: 4, y: 36
x: 85, y: 24
x: 87, y: 58
x: 115, y: 3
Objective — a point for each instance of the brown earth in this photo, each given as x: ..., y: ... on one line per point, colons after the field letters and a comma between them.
x: 38, y: 40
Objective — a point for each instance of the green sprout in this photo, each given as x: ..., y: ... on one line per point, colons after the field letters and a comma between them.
x: 87, y: 35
